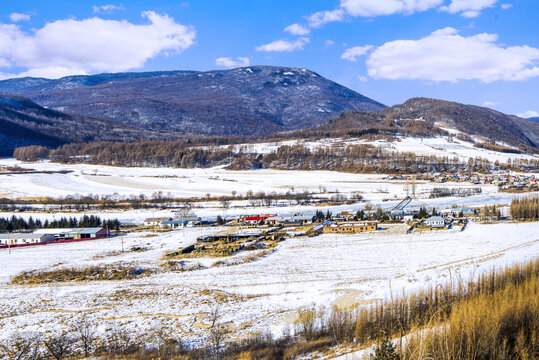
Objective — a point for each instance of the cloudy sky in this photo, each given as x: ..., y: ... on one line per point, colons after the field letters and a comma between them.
x: 482, y: 52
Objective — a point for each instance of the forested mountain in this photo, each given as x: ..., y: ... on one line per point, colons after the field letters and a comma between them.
x: 23, y: 122
x: 474, y: 120
x: 469, y: 119
x: 255, y: 100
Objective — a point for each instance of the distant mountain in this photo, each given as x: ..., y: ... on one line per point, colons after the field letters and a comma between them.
x: 534, y: 118
x: 254, y: 100
x: 473, y: 120
x: 23, y: 122
x: 469, y: 119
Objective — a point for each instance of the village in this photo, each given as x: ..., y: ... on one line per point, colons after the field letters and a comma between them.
x: 504, y: 181
x: 412, y: 213
x: 263, y: 231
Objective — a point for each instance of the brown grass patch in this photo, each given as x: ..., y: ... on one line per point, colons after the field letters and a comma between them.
x: 92, y: 273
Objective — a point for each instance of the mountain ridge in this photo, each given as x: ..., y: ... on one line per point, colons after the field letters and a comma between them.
x: 254, y: 100
x: 469, y: 119
x: 23, y: 122
x: 85, y: 105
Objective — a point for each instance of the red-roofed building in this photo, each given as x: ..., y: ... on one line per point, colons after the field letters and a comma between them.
x: 257, y: 220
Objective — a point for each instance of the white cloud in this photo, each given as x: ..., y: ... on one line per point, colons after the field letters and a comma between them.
x: 92, y: 45
x: 107, y: 8
x: 353, y: 53
x: 231, y: 63
x: 528, y: 114
x: 329, y: 42
x: 446, y: 56
x: 370, y: 8
x: 362, y: 78
x: 468, y: 8
x: 373, y: 8
x: 297, y: 29
x: 320, y: 18
x: 506, y: 6
x: 284, y: 45
x: 16, y: 17
x: 490, y: 103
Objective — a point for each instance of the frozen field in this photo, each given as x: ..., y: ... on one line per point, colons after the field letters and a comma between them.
x: 345, y: 270
x: 118, y: 181
x: 95, y: 179
x: 84, y: 179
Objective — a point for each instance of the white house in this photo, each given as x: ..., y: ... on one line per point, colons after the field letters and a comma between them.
x: 434, y: 222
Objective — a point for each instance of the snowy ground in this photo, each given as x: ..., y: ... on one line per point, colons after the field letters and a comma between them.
x: 84, y: 179
x: 344, y: 270
x: 108, y: 180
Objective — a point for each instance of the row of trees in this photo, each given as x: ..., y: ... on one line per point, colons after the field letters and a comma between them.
x: 445, y: 192
x: 353, y: 158
x: 525, y: 208
x: 367, y: 159
x: 18, y: 223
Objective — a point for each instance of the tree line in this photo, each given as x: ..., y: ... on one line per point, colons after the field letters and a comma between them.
x: 525, y: 208
x: 19, y: 224
x: 361, y: 158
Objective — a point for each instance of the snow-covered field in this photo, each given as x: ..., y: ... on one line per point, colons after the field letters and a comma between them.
x: 84, y: 179
x: 123, y: 182
x: 329, y: 270
x: 344, y: 270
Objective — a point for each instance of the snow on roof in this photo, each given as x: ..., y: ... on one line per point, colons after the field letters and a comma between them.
x: 157, y: 219
x: 435, y: 218
x: 20, y: 236
x: 52, y: 231
x: 69, y: 231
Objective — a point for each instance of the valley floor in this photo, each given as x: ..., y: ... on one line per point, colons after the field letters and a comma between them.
x: 343, y: 271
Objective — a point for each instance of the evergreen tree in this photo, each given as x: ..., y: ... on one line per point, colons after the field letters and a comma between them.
x: 385, y: 350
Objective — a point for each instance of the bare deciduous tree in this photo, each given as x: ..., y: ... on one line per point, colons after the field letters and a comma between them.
x: 20, y: 346
x: 217, y: 332
x: 86, y: 334
x: 58, y: 346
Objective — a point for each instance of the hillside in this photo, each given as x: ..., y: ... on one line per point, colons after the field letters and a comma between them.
x: 473, y: 120
x: 469, y: 119
x: 23, y: 122
x: 256, y: 100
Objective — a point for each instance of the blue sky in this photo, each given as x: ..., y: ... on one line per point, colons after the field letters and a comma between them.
x: 482, y: 52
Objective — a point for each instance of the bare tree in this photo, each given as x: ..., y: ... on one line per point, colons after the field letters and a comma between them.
x: 20, y: 347
x: 225, y: 203
x: 58, y: 346
x: 86, y: 334
x: 119, y: 342
x: 306, y: 324
x: 218, y: 332
x: 185, y: 210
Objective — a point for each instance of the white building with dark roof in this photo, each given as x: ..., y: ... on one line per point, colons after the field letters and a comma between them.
x: 24, y: 239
